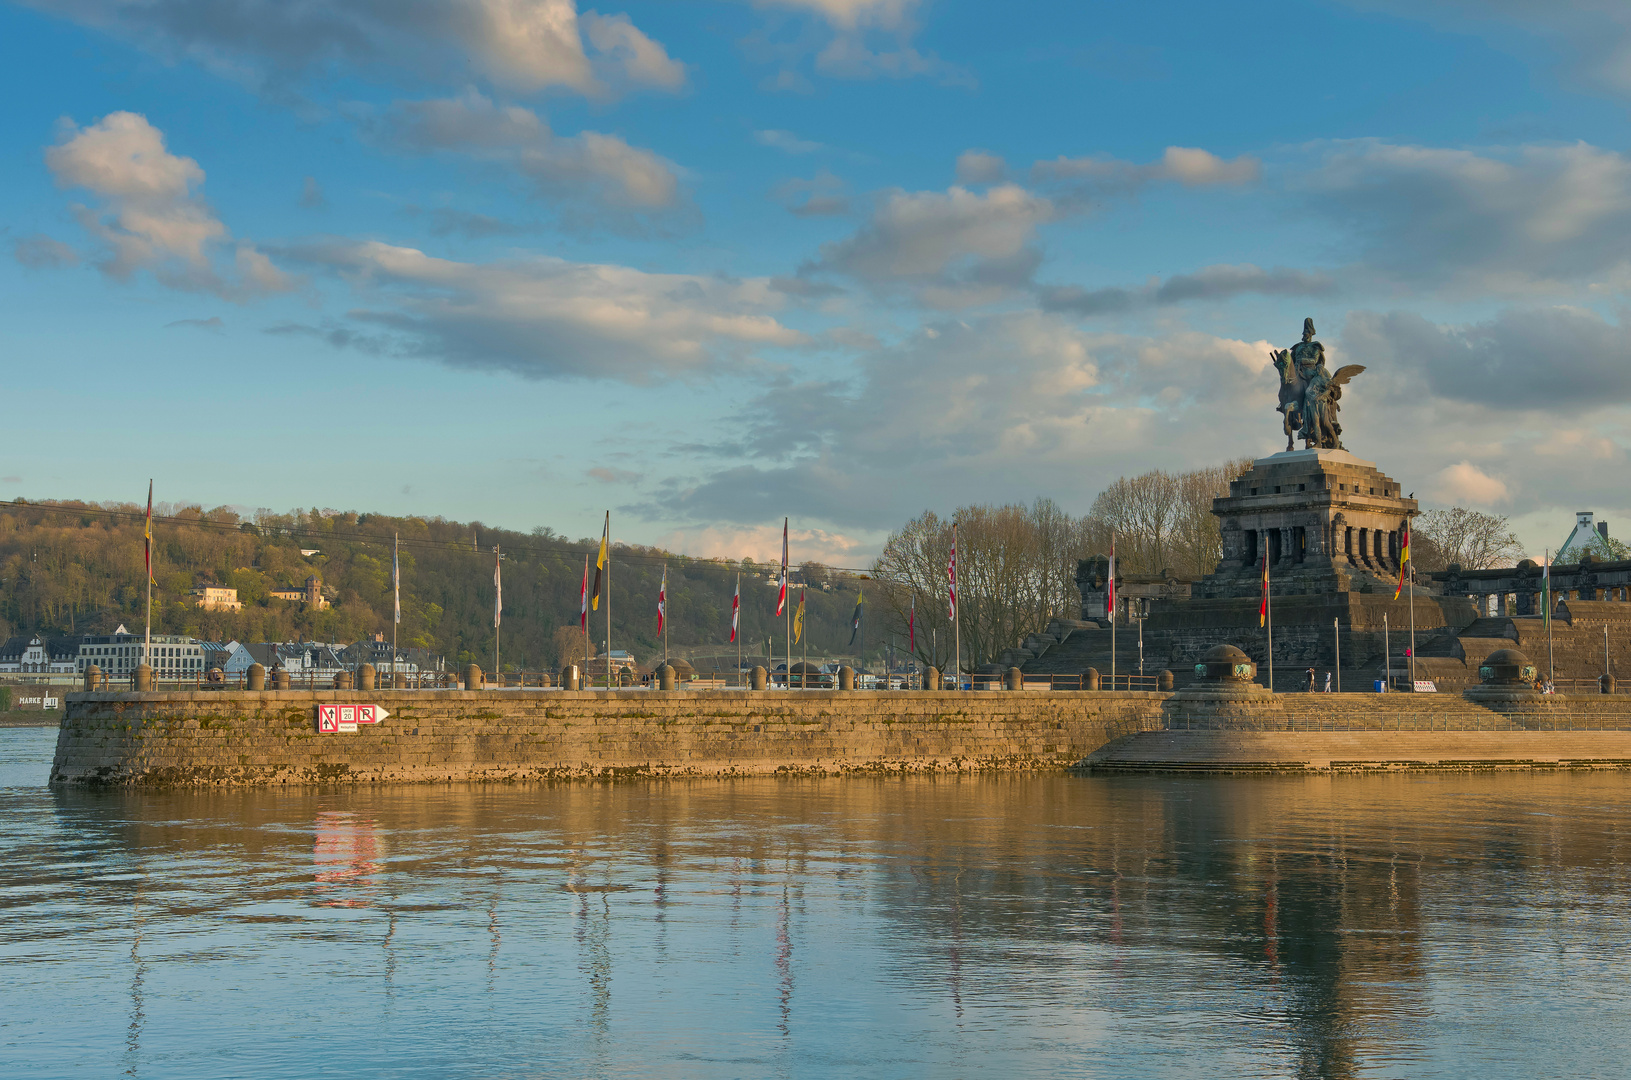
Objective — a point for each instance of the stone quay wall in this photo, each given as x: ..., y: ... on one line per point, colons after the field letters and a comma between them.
x: 270, y: 737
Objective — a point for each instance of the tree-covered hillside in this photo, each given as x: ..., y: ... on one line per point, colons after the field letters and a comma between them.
x: 68, y: 567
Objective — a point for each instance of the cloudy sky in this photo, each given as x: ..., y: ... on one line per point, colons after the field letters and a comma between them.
x: 710, y: 263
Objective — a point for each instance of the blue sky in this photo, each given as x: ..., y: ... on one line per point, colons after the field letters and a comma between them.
x: 708, y: 264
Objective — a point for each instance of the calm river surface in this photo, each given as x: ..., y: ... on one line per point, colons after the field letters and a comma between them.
x: 1012, y: 926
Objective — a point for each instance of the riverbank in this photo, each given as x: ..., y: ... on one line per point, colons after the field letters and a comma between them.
x: 31, y: 718
x: 224, y: 738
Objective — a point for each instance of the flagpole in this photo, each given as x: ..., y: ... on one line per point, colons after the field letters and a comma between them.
x: 1112, y: 609
x: 147, y: 638
x: 1268, y: 614
x: 956, y: 618
x: 1387, y: 658
x: 1412, y: 625
x: 736, y: 620
x: 608, y: 599
x: 1546, y: 599
x: 396, y: 588
x: 498, y: 604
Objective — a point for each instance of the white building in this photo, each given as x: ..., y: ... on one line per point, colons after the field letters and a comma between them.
x: 118, y: 653
x: 1586, y: 532
x: 37, y: 655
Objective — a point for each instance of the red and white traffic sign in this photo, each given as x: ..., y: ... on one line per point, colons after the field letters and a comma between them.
x: 334, y: 719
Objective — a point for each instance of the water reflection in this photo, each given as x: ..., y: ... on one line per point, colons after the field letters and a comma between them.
x: 1110, y: 927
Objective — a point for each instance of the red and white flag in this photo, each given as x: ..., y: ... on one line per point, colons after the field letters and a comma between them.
x: 662, y: 600
x: 736, y: 606
x: 1110, y: 583
x: 781, y: 596
x: 951, y: 578
x: 583, y: 598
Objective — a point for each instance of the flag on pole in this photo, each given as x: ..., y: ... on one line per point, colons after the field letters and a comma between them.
x: 498, y: 591
x: 1110, y: 583
x: 148, y: 533
x: 736, y: 606
x: 1263, y: 608
x: 662, y: 600
x: 911, y: 625
x: 855, y: 619
x: 1404, y: 559
x: 798, y: 619
x: 951, y: 578
x: 600, y: 562
x: 781, y: 597
x: 1546, y: 589
x: 583, y: 598
x: 396, y: 576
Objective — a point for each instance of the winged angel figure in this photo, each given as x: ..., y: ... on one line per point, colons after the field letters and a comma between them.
x: 1309, y: 392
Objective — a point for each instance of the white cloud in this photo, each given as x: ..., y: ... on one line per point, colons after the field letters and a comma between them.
x: 763, y: 544
x: 600, y: 166
x: 1558, y: 359
x: 1208, y: 283
x: 820, y: 196
x: 870, y: 39
x: 639, y: 59
x: 979, y: 167
x: 1538, y: 217
x: 152, y: 219
x: 548, y: 318
x: 1000, y: 408
x: 786, y: 141
x: 956, y: 247
x: 41, y: 252
x: 1593, y: 36
x: 1185, y: 165
x: 526, y: 45
x: 1465, y: 484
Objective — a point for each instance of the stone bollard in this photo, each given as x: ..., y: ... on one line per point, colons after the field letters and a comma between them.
x: 1163, y: 681
x: 625, y: 678
x: 758, y: 678
x: 571, y: 678
x: 281, y: 679
x: 931, y: 678
x: 1090, y: 679
x: 255, y: 677
x: 1606, y: 683
x: 665, y: 677
x: 399, y: 681
x: 1013, y: 679
x: 366, y: 676
x: 342, y: 680
x: 142, y: 678
x: 546, y: 680
x: 472, y: 677
x: 93, y: 676
x: 846, y: 677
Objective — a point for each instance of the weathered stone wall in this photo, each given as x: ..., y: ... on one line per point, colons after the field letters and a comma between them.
x: 270, y: 737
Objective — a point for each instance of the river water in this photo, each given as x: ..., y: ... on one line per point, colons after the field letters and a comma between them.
x: 1434, y: 926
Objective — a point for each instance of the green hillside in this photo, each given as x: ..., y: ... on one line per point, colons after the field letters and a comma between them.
x: 70, y: 568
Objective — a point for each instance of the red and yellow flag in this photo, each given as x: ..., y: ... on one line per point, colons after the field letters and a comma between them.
x: 1404, y: 558
x: 1263, y: 608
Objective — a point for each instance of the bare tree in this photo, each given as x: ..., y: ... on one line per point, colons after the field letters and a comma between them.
x: 566, y: 645
x: 1016, y: 568
x: 1163, y: 521
x: 1471, y: 538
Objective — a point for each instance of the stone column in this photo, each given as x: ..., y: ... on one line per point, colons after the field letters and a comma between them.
x: 846, y: 677
x: 366, y: 676
x: 571, y: 678
x: 142, y: 677
x: 472, y: 677
x: 758, y: 678
x: 931, y: 678
x: 1013, y: 679
x: 281, y: 678
x: 256, y: 677
x: 399, y: 681
x: 93, y: 678
x: 665, y: 677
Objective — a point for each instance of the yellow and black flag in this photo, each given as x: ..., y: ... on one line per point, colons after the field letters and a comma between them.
x: 798, y: 618
x: 600, y: 562
x: 855, y: 619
